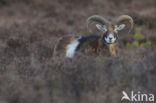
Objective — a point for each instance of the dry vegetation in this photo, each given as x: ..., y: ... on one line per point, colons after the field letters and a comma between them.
x: 29, y: 74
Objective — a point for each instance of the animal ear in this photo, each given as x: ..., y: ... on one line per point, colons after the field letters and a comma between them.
x: 120, y: 27
x: 102, y: 28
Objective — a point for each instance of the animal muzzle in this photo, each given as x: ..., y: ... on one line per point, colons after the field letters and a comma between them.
x: 110, y: 38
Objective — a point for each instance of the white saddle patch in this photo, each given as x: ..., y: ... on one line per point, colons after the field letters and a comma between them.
x: 70, y: 49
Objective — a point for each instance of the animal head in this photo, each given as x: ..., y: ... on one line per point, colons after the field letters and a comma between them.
x: 110, y: 28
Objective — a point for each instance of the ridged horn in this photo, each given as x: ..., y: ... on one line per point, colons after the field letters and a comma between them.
x: 124, y: 18
x: 96, y: 18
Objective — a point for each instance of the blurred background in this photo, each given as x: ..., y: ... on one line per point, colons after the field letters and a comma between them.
x: 29, y: 73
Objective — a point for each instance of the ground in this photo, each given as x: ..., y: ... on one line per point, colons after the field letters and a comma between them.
x: 29, y: 73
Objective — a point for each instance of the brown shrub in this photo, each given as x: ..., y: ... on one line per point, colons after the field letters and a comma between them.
x: 30, y: 74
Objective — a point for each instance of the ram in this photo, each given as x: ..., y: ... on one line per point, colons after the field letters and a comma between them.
x: 69, y: 44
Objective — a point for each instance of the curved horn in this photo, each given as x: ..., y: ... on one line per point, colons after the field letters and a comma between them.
x: 96, y: 18
x: 124, y: 18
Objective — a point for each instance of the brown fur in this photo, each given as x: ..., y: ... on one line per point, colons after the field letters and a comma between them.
x: 90, y: 45
x: 62, y: 42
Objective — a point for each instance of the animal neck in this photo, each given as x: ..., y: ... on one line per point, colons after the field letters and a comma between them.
x: 112, y: 49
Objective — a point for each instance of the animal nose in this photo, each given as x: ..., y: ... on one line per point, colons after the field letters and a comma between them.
x: 110, y: 38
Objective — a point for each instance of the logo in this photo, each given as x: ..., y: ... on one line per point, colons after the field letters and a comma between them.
x: 139, y: 97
